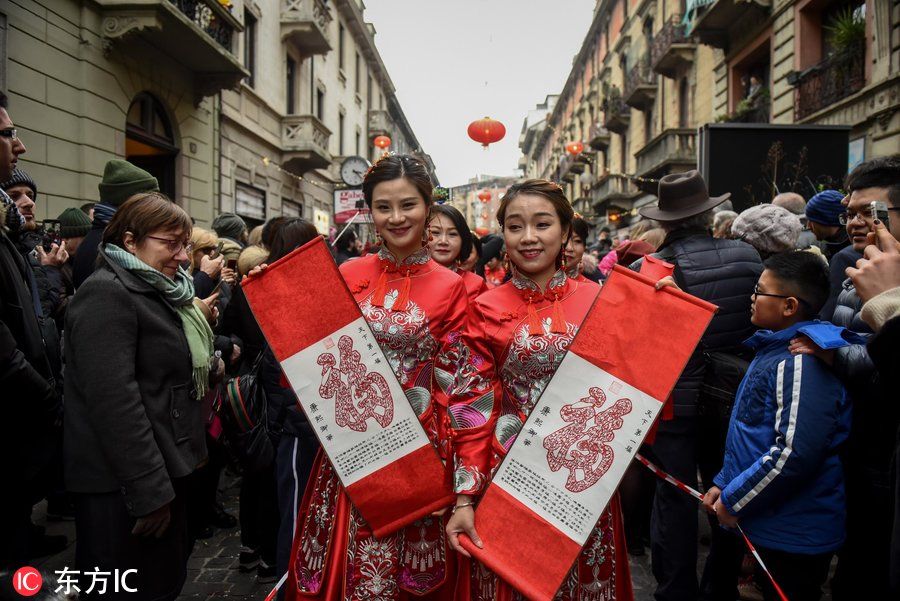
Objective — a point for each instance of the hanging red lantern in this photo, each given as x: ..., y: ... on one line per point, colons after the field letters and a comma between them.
x: 382, y: 142
x: 484, y: 215
x: 484, y: 196
x: 482, y: 231
x: 575, y: 148
x: 486, y: 131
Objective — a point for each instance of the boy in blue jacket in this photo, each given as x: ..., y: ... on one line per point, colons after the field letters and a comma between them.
x: 782, y: 478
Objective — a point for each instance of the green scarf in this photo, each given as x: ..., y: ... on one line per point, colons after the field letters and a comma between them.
x: 179, y: 293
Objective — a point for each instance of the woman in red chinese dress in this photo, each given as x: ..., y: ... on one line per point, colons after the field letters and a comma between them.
x: 451, y: 242
x: 520, y: 331
x: 416, y: 310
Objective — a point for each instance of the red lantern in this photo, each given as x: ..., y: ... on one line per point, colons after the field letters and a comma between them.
x: 382, y: 142
x: 486, y: 131
x: 575, y: 148
x: 484, y: 215
x: 482, y: 231
x: 484, y: 196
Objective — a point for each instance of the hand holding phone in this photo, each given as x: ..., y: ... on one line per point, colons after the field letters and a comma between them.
x: 879, y: 211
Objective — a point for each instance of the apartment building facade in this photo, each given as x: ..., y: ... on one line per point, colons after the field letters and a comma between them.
x: 247, y: 106
x: 650, y: 72
x: 317, y: 93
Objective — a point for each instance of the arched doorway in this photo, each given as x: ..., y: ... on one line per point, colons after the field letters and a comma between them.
x: 150, y: 141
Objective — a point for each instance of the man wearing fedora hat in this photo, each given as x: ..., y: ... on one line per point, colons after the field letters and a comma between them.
x: 724, y: 273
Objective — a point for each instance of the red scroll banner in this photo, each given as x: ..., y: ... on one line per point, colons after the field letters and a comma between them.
x: 569, y: 457
x: 361, y: 415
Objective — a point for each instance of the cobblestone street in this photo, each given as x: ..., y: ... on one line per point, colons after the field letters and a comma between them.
x: 213, y: 568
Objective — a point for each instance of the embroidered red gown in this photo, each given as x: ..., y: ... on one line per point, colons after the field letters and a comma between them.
x: 522, y: 334
x: 474, y: 283
x: 417, y: 324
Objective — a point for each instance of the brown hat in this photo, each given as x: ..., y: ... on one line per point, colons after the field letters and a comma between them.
x: 682, y: 195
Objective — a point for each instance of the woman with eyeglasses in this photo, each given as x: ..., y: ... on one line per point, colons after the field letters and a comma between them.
x: 139, y: 357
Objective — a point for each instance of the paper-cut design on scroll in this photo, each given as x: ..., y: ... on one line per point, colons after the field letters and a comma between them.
x: 582, y: 446
x: 359, y: 396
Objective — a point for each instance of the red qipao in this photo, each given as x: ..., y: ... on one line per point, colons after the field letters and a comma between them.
x: 522, y: 334
x: 417, y: 311
x: 474, y: 283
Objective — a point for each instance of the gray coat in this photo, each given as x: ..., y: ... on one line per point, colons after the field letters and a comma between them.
x: 132, y: 422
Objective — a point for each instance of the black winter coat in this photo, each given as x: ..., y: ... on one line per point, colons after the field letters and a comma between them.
x: 86, y: 257
x: 884, y: 349
x: 722, y: 272
x: 132, y: 419
x: 31, y: 403
x: 876, y: 412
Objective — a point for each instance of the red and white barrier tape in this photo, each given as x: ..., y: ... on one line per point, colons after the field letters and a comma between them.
x: 696, y: 494
x: 278, y: 585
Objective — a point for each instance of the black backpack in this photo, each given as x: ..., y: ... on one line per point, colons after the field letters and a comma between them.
x: 243, y: 407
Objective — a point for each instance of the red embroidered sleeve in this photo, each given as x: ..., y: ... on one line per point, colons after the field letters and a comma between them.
x: 474, y: 407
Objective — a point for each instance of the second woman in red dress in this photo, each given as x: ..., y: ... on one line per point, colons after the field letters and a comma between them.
x: 520, y: 331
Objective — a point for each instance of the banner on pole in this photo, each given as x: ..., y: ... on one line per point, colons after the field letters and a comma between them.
x: 350, y: 395
x: 573, y: 450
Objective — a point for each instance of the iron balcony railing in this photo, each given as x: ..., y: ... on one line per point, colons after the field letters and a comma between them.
x: 832, y: 80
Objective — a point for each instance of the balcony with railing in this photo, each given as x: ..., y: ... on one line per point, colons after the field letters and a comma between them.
x: 568, y: 168
x: 612, y: 187
x: 640, y: 85
x: 304, y: 25
x: 714, y: 21
x: 832, y: 80
x: 672, y: 51
x: 198, y: 33
x: 380, y: 123
x: 304, y: 141
x: 598, y: 137
x: 671, y: 151
x: 616, y: 114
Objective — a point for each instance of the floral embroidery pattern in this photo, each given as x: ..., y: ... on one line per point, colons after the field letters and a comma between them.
x: 316, y: 532
x: 531, y: 362
x: 420, y: 257
x: 404, y: 336
x: 375, y: 562
x: 423, y: 560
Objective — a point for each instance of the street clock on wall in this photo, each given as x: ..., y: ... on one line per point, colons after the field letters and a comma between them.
x: 353, y: 170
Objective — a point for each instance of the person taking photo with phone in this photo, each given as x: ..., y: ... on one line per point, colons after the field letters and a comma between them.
x: 864, y: 562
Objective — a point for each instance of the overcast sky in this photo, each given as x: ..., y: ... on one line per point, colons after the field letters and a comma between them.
x: 456, y: 61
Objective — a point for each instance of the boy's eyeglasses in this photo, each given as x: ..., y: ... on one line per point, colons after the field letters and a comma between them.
x: 10, y: 132
x: 757, y: 292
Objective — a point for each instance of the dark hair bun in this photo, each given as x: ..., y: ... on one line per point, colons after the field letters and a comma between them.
x: 396, y: 166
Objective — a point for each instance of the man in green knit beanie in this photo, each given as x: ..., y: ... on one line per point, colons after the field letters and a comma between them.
x: 121, y: 180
